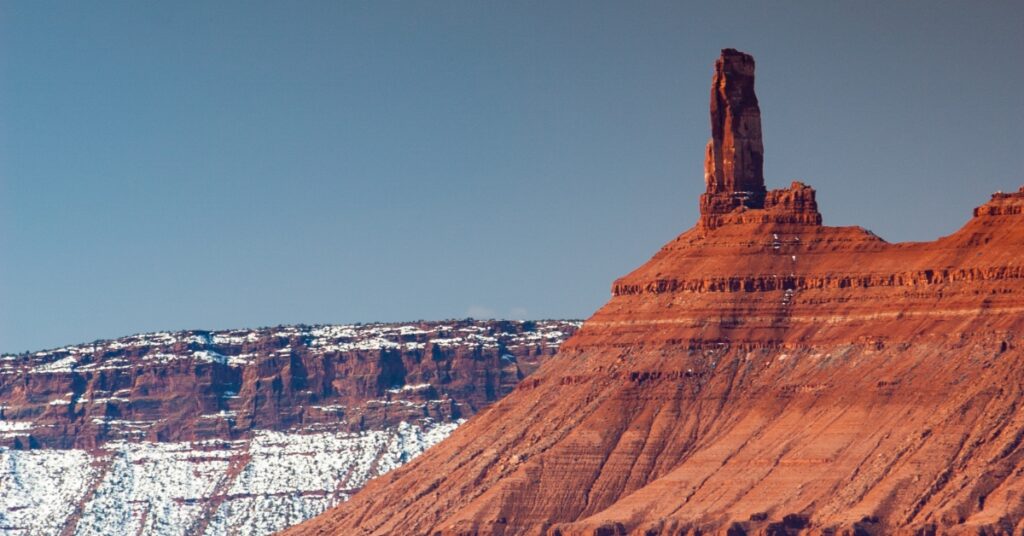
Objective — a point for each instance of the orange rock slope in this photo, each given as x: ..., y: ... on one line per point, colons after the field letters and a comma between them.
x: 761, y: 374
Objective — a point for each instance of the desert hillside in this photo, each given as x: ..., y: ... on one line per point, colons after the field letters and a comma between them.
x: 762, y: 374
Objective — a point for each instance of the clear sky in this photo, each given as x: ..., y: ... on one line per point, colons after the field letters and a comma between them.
x: 169, y: 165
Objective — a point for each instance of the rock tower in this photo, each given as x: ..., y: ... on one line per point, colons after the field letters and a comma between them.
x: 734, y: 159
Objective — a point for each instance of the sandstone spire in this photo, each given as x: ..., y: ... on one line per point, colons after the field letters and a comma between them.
x: 733, y: 165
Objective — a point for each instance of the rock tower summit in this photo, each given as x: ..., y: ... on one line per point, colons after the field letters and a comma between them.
x: 734, y: 160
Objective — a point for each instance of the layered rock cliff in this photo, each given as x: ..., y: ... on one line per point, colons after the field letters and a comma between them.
x: 198, y: 385
x: 239, y: 431
x: 761, y: 374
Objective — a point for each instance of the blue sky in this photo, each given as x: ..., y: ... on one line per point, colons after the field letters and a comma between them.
x: 227, y: 164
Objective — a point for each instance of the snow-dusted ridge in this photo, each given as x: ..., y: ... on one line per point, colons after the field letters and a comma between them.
x: 208, y: 345
x: 239, y: 431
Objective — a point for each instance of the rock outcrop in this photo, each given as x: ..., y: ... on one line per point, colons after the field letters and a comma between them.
x: 734, y: 164
x: 199, y: 385
x: 734, y: 160
x: 761, y: 374
x: 241, y: 431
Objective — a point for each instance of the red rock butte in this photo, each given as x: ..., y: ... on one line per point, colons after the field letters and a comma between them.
x: 761, y: 374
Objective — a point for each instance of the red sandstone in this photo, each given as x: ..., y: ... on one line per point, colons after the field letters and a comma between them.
x: 761, y: 374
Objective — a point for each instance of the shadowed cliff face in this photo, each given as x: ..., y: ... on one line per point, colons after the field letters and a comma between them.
x: 761, y: 374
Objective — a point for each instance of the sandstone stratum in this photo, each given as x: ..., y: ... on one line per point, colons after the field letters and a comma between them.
x: 761, y: 374
x: 222, y: 385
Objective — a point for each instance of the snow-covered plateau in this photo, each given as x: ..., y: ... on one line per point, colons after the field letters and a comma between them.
x: 244, y: 431
x: 254, y: 486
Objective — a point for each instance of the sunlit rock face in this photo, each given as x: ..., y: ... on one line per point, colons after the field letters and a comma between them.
x: 762, y: 373
x: 239, y: 431
x: 734, y: 159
